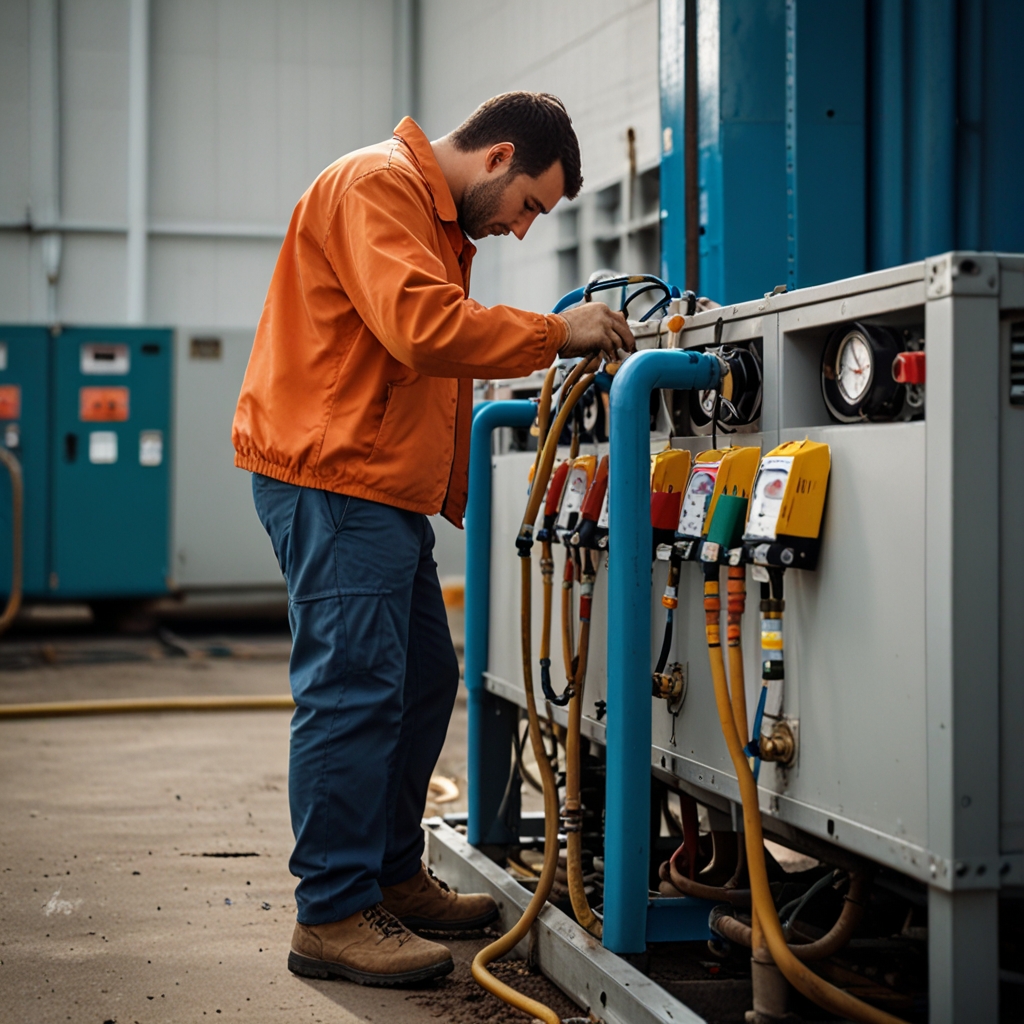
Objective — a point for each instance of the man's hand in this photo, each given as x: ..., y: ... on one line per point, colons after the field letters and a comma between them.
x: 593, y: 327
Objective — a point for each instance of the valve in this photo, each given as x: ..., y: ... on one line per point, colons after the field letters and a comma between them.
x: 671, y: 684
x: 780, y: 746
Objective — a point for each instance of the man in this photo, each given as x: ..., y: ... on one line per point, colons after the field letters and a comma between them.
x: 354, y: 419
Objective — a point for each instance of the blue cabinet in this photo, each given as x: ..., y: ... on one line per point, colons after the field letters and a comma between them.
x: 110, y: 457
x: 24, y: 430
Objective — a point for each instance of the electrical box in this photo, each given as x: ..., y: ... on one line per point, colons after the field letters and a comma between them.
x: 110, y: 454
x: 24, y: 430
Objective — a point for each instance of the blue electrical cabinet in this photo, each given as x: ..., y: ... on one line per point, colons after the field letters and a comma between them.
x: 24, y: 430
x: 110, y: 456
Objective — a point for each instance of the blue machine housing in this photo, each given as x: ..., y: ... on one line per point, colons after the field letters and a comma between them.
x: 110, y: 519
x: 26, y: 367
x: 835, y: 139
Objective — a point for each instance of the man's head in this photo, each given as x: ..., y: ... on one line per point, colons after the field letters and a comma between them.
x: 525, y: 158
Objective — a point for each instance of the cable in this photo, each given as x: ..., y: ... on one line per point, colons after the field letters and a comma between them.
x: 139, y: 705
x: 13, y: 467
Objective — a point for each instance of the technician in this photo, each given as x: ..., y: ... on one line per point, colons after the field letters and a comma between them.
x: 354, y: 418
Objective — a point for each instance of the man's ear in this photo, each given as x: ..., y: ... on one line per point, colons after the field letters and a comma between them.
x: 499, y: 154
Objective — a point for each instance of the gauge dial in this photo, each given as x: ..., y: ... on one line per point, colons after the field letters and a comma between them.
x: 854, y: 367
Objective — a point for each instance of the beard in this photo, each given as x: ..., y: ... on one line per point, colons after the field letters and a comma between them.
x: 480, y: 204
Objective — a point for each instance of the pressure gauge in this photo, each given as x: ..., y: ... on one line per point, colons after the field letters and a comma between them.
x: 854, y: 367
x: 739, y: 401
x: 856, y: 374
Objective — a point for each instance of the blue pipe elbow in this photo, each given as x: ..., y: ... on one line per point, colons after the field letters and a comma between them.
x: 486, y: 417
x: 627, y: 820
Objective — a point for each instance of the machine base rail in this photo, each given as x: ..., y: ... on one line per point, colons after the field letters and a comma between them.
x: 603, y: 983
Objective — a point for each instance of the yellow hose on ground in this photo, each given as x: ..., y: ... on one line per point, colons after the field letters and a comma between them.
x: 136, y: 705
x: 13, y: 467
x: 522, y: 927
x: 766, y: 921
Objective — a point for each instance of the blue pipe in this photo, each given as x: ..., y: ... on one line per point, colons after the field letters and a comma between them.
x: 486, y: 417
x: 569, y: 299
x: 627, y: 822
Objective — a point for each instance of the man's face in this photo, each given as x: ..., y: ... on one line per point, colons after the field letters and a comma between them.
x: 499, y: 202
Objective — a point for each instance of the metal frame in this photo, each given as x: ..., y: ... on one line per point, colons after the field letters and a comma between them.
x: 963, y: 710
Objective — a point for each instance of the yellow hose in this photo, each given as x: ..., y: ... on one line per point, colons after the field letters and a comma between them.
x: 13, y: 467
x: 767, y: 926
x: 521, y: 928
x: 135, y: 705
x: 547, y: 457
x: 542, y: 471
x: 574, y: 838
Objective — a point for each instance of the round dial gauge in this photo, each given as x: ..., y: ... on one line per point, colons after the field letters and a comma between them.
x: 856, y: 381
x: 854, y: 367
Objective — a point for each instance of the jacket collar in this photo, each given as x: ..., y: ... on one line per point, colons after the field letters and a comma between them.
x: 412, y: 135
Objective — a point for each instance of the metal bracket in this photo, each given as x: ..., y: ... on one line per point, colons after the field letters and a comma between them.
x: 961, y: 273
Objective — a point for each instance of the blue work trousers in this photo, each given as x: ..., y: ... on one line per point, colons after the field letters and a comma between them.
x: 374, y: 677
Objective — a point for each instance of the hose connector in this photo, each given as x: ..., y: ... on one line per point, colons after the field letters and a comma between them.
x: 669, y: 685
x: 524, y: 541
x: 780, y: 746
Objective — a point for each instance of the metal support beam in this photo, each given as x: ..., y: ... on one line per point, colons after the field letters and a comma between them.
x: 44, y: 137
x: 406, y: 54
x: 627, y: 816
x: 826, y: 229
x: 962, y: 561
x: 138, y: 158
x: 491, y: 720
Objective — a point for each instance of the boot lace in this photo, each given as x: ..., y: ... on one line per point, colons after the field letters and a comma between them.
x: 386, y: 925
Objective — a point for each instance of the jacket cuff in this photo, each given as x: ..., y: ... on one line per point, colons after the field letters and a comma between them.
x: 557, y: 335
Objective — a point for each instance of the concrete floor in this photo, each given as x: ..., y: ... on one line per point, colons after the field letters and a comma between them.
x: 143, y: 858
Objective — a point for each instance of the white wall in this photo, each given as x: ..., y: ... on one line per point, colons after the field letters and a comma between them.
x: 599, y: 56
x: 248, y: 100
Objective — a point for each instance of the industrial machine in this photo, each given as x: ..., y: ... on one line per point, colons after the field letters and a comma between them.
x: 123, y: 439
x: 879, y: 721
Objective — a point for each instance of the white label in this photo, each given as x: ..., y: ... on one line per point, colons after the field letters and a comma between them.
x: 760, y: 573
x: 3, y: 355
x: 710, y: 552
x: 151, y: 448
x: 102, y: 447
x: 602, y: 519
x: 572, y: 500
x: 697, y: 498
x: 104, y: 360
x: 663, y: 552
x: 766, y: 502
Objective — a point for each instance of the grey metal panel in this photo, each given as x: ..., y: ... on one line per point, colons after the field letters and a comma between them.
x: 217, y: 539
x: 1011, y: 602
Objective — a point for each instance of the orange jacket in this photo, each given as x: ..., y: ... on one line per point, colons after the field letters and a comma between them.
x: 360, y: 378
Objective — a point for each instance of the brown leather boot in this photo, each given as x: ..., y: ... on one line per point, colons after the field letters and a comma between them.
x: 369, y: 948
x: 425, y: 903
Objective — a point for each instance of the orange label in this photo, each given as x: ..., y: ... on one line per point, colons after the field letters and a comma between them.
x: 10, y: 401
x: 102, y: 405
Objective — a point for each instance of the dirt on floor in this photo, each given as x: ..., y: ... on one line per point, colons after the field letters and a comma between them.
x: 144, y: 858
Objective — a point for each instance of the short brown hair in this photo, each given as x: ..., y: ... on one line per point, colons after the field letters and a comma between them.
x: 537, y: 124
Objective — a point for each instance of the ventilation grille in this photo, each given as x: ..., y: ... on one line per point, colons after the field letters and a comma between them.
x: 1017, y: 363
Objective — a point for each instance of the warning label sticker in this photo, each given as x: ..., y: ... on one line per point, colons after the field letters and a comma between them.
x: 103, y: 405
x: 10, y: 401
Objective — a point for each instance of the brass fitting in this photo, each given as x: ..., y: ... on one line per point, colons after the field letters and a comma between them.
x: 780, y: 746
x: 670, y: 685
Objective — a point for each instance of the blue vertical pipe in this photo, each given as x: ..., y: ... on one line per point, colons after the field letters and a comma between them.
x: 483, y: 785
x: 932, y: 128
x: 627, y: 821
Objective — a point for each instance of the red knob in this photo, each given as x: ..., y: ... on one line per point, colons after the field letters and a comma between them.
x: 908, y: 368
